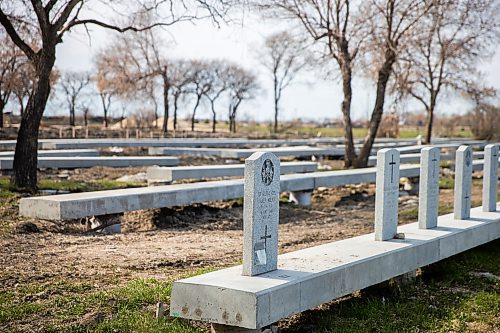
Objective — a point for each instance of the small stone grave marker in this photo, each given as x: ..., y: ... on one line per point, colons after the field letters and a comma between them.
x: 428, y: 201
x: 490, y: 178
x: 261, y: 213
x: 387, y: 194
x: 463, y: 183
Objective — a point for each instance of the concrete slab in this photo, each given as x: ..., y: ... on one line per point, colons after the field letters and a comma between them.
x: 310, y: 277
x: 77, y: 205
x: 299, y: 151
x: 162, y: 174
x: 57, y: 153
x: 88, y: 162
x: 180, y: 142
x: 415, y: 158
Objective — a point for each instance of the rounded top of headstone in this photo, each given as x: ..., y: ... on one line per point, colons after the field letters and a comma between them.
x: 492, y: 146
x: 464, y: 148
x: 430, y: 149
x: 388, y: 151
x: 266, y: 167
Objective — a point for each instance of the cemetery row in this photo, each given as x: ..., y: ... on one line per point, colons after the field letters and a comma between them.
x: 87, y: 158
x: 78, y: 205
x: 268, y: 287
x: 213, y: 143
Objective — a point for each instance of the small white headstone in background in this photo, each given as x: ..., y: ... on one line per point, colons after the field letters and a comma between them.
x: 428, y: 199
x: 387, y: 194
x: 490, y: 178
x: 463, y: 183
x: 261, y: 213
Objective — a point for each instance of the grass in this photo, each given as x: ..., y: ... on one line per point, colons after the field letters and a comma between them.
x: 358, y: 132
x: 446, y: 183
x: 128, y: 308
x: 6, y: 195
x: 446, y: 297
x: 6, y: 190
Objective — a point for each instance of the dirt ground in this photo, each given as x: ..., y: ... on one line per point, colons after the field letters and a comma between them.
x: 172, y: 242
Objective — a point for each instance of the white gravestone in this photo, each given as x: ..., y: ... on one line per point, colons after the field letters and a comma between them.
x: 428, y: 199
x: 261, y: 213
x: 387, y: 194
x: 463, y: 183
x: 490, y: 178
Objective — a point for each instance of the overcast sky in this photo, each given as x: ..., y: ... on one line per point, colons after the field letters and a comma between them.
x: 308, y: 98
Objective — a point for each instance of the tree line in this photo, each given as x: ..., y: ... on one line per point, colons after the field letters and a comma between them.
x: 411, y: 50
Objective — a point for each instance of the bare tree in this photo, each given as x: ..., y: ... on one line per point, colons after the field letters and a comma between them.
x: 242, y: 86
x: 118, y: 73
x: 106, y: 91
x: 391, y: 26
x: 344, y: 29
x: 12, y: 61
x: 50, y: 21
x: 453, y: 37
x: 200, y: 85
x: 218, y: 77
x: 332, y: 25
x: 181, y: 76
x: 72, y: 85
x: 282, y: 57
x: 484, y: 117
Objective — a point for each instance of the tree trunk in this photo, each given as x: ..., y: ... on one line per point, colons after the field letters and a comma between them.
x: 105, y: 112
x: 2, y: 106
x: 350, y: 153
x: 194, y: 113
x: 214, y: 118
x: 72, y: 115
x: 176, y: 98
x: 275, y: 114
x: 105, y: 119
x: 25, y: 159
x: 166, y: 87
x: 21, y: 105
x: 429, y: 122
x: 276, y: 101
x: 383, y: 77
x: 86, y: 117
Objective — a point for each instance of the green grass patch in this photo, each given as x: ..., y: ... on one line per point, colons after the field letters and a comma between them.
x: 409, y: 214
x: 6, y: 194
x: 446, y: 183
x: 127, y: 308
x: 75, y: 186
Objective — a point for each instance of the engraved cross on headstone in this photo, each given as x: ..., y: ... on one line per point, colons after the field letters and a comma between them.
x: 392, y: 163
x: 261, y: 213
x: 265, y: 237
x: 434, y: 159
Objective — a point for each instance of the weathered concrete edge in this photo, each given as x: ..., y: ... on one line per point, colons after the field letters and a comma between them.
x: 418, y: 254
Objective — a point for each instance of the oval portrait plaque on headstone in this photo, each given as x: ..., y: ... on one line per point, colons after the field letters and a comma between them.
x: 267, y: 172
